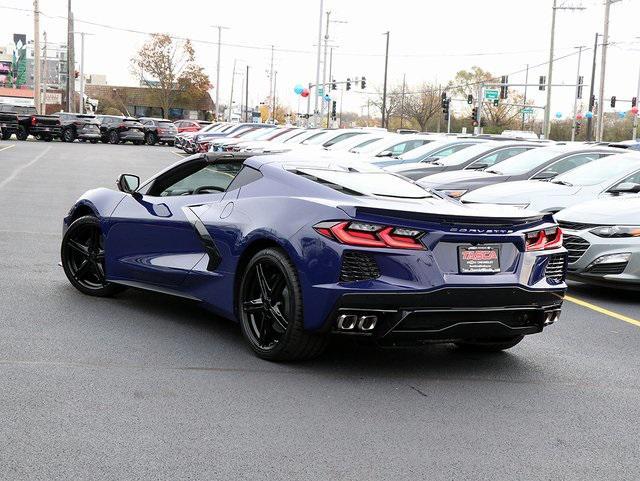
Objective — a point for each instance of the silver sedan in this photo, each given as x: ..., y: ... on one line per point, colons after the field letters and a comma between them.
x: 603, y: 240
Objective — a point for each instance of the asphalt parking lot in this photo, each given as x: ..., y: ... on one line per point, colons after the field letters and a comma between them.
x: 144, y: 386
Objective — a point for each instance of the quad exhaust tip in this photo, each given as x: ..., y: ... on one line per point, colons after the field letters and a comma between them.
x: 551, y: 317
x: 353, y: 322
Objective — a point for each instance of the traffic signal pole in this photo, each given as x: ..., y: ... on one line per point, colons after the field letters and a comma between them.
x: 575, y: 98
x: 591, y: 89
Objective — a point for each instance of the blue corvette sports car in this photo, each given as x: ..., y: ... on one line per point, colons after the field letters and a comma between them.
x: 297, y: 248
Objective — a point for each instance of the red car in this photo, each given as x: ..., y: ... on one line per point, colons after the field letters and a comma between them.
x: 190, y: 125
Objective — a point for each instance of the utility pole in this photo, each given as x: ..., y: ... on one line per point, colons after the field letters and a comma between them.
x: 404, y: 77
x: 219, y: 27
x: 634, y: 136
x: 324, y: 65
x: 575, y: 98
x: 71, y: 68
x: 275, y: 79
x: 330, y: 81
x: 591, y: 89
x: 246, y: 95
x: 271, y: 88
x: 37, y: 58
x: 547, y: 110
x: 603, y: 67
x: 384, y: 87
x: 524, y: 101
x: 45, y: 77
x: 315, y: 94
x: 82, y: 34
x: 233, y: 78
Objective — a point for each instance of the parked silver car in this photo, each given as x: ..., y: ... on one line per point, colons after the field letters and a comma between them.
x: 603, y: 240
x: 612, y: 175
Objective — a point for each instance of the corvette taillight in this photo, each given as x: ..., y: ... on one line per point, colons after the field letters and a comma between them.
x: 363, y: 234
x: 544, y: 239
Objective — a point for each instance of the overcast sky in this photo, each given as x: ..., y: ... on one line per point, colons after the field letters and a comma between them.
x: 430, y: 40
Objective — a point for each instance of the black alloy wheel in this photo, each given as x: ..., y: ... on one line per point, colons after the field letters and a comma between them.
x: 151, y: 138
x: 69, y: 135
x: 22, y: 133
x: 114, y: 137
x: 270, y: 310
x: 83, y: 257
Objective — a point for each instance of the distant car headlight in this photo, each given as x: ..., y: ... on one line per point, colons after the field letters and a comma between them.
x: 617, y: 231
x: 454, y: 193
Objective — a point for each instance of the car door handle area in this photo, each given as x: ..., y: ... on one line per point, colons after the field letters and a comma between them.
x: 208, y: 243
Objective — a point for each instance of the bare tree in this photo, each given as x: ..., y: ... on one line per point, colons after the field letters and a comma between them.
x: 393, y: 101
x: 423, y: 104
x: 169, y: 67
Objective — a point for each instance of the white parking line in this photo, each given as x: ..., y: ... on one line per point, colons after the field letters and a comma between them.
x: 6, y: 147
x: 15, y: 173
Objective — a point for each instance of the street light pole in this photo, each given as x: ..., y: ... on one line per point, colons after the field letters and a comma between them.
x: 219, y: 27
x: 575, y: 98
x: 37, y: 57
x: 384, y: 86
x: 603, y: 67
x: 315, y: 95
x: 591, y: 89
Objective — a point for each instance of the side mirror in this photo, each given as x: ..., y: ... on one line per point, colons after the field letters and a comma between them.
x: 546, y: 175
x: 128, y: 183
x: 385, y: 153
x: 478, y: 166
x: 625, y: 188
x: 428, y: 160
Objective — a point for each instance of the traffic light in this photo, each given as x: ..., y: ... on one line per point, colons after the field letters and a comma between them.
x: 496, y: 102
x: 504, y: 80
x: 445, y: 106
x: 363, y: 83
x: 577, y: 128
x: 543, y: 81
x: 443, y: 101
x: 334, y: 115
x: 613, y: 101
x: 469, y: 99
x: 634, y: 102
x: 474, y: 115
x: 348, y: 84
x: 334, y: 85
x: 580, y: 82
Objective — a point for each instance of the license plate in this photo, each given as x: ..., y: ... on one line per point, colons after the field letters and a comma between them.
x: 479, y: 259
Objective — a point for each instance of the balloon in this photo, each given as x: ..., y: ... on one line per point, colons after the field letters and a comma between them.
x: 634, y: 110
x: 558, y: 115
x: 298, y: 89
x: 579, y: 116
x: 305, y: 92
x: 589, y: 115
x: 622, y: 115
x: 327, y: 98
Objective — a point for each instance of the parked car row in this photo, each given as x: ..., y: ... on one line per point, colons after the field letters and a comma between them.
x: 592, y: 188
x: 68, y: 127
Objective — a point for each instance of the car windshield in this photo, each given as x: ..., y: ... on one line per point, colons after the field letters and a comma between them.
x: 599, y: 171
x: 254, y: 134
x: 463, y: 156
x: 307, y: 134
x: 321, y: 139
x: 379, y: 145
x: 353, y: 142
x: 442, y: 149
x: 523, y: 163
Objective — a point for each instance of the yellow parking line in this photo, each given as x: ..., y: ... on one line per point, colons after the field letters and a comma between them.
x: 179, y: 154
x: 602, y: 310
x: 7, y: 147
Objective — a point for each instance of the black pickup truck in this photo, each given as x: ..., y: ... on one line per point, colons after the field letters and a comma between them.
x: 8, y: 121
x: 43, y: 127
x: 78, y: 126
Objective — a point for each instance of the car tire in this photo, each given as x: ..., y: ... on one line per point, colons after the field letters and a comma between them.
x: 6, y: 135
x: 46, y: 137
x: 82, y: 254
x: 271, y: 318
x: 151, y: 139
x: 68, y: 135
x: 114, y: 137
x: 170, y: 143
x: 94, y: 141
x: 22, y: 133
x: 489, y: 345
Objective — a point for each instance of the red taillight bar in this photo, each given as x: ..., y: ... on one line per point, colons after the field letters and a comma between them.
x: 543, y: 239
x: 369, y: 235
